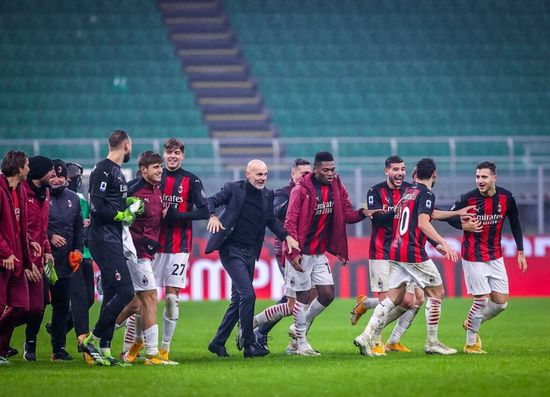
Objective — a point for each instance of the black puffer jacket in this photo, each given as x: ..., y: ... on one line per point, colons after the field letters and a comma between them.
x: 66, y: 221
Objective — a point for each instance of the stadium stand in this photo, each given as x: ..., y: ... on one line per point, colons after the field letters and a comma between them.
x: 448, y: 73
x: 79, y: 69
x: 396, y: 68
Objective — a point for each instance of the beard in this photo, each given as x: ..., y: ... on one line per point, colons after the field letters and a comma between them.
x: 126, y: 157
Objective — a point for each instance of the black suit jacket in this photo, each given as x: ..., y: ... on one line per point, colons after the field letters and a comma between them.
x: 232, y: 197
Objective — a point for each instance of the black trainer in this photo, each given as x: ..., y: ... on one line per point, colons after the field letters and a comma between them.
x: 255, y: 350
x: 12, y: 351
x: 61, y: 355
x: 29, y: 351
x: 261, y: 339
x: 219, y: 350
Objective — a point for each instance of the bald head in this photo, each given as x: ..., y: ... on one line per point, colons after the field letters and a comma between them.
x: 256, y: 173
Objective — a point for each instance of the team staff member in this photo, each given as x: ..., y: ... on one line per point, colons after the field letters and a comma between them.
x: 38, y: 206
x: 108, y: 192
x: 185, y: 201
x: 66, y: 233
x: 15, y: 258
x: 82, y: 280
x: 482, y: 261
x: 238, y: 235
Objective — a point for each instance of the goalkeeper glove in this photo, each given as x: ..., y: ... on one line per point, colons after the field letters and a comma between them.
x: 127, y: 217
x: 75, y: 258
x: 135, y: 204
x: 49, y: 271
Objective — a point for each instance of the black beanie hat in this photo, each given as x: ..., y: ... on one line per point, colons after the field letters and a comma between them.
x: 39, y: 166
x: 60, y: 168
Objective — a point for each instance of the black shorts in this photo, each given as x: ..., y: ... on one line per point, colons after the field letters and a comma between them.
x: 111, y: 263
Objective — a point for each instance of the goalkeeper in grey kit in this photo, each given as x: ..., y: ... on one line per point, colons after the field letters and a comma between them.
x: 110, y: 210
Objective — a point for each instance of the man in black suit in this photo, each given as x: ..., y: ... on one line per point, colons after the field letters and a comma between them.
x: 238, y: 235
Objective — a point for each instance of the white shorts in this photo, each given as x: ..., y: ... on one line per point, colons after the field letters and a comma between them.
x: 171, y: 269
x: 379, y: 275
x: 482, y: 278
x: 316, y: 272
x: 142, y: 275
x: 423, y: 274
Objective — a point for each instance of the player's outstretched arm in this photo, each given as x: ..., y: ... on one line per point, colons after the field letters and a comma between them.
x: 441, y: 215
x: 425, y: 225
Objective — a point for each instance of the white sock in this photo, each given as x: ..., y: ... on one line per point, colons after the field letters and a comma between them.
x: 433, y: 314
x: 169, y: 320
x: 474, y: 319
x: 151, y: 335
x: 299, y: 315
x: 378, y: 318
x: 314, y: 309
x: 129, y: 333
x: 492, y: 310
x: 370, y: 303
x: 272, y: 313
x: 106, y: 351
x: 122, y: 324
x: 139, y: 329
x: 394, y: 313
x: 403, y: 324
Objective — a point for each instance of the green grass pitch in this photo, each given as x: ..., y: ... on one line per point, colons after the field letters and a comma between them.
x: 517, y: 363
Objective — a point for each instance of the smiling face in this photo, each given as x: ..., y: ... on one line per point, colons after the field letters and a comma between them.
x: 395, y: 174
x: 173, y: 158
x: 127, y: 150
x: 57, y: 181
x: 152, y: 173
x: 486, y: 181
x: 256, y: 173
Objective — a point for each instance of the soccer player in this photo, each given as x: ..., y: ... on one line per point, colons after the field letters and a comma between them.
x: 410, y: 263
x: 318, y: 211
x: 66, y: 231
x: 38, y: 206
x: 145, y: 233
x: 185, y: 201
x: 268, y: 318
x: 482, y: 261
x: 15, y: 258
x: 386, y: 195
x: 109, y: 212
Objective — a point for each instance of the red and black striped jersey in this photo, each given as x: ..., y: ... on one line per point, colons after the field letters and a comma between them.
x: 409, y: 241
x: 382, y: 196
x: 182, y: 191
x: 316, y: 239
x: 491, y: 211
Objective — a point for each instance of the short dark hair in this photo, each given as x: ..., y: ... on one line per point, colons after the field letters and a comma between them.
x: 118, y: 137
x: 393, y: 160
x: 298, y: 162
x: 425, y: 168
x: 148, y: 158
x: 173, y: 144
x: 487, y: 164
x: 12, y: 162
x: 322, y: 156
